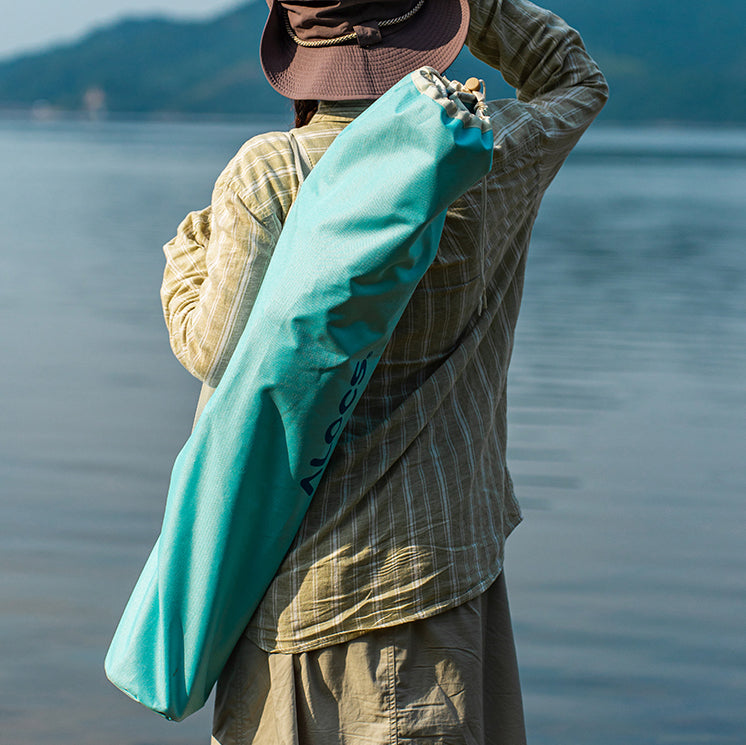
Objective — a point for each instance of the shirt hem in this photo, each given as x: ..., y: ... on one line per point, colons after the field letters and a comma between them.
x: 279, y: 646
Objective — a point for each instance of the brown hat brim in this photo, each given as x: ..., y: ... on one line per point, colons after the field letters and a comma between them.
x: 433, y: 37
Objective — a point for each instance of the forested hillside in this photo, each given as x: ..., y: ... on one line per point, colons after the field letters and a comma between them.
x: 671, y: 60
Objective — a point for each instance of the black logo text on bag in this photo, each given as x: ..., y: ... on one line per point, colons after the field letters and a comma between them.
x: 348, y: 400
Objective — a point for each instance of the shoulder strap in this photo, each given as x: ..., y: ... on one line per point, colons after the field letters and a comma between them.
x: 303, y: 166
x: 302, y: 163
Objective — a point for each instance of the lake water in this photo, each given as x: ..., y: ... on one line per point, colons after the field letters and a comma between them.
x: 627, y: 417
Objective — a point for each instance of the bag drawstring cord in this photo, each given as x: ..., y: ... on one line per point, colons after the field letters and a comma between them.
x: 476, y: 87
x: 483, y: 246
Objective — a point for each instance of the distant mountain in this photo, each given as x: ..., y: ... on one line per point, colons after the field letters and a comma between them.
x: 151, y: 65
x: 682, y: 60
x: 671, y: 60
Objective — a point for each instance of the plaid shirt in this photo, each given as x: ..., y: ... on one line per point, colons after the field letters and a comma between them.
x: 412, y: 514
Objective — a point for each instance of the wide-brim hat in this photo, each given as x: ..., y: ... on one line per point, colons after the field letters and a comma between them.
x: 355, y: 49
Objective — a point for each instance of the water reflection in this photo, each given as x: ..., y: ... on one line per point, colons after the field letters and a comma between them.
x: 627, y: 420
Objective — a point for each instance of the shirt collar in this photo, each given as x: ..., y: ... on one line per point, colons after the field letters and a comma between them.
x: 340, y: 110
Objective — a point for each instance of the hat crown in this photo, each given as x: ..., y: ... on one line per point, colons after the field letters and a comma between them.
x: 312, y: 20
x: 336, y: 50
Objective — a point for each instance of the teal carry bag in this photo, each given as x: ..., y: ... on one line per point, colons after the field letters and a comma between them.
x: 362, y: 232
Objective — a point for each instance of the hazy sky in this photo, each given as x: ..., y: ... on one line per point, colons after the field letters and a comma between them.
x: 31, y: 24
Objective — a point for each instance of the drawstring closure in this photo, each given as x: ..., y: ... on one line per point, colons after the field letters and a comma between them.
x: 476, y: 87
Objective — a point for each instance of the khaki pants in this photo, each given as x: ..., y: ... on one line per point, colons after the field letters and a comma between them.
x: 451, y: 679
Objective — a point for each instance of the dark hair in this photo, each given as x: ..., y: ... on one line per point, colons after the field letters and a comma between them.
x: 304, y: 111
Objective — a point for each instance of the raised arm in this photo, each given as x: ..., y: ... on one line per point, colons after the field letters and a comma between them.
x: 560, y: 89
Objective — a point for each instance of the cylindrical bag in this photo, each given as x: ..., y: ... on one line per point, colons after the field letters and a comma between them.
x: 362, y: 232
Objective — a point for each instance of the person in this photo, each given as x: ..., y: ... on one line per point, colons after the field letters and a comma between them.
x: 388, y: 621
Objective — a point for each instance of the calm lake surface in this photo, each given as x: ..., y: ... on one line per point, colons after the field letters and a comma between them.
x: 628, y: 429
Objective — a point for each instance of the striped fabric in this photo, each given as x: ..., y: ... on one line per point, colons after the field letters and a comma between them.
x: 412, y: 514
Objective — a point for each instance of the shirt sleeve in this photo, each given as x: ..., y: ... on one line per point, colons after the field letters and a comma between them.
x: 214, y: 267
x: 559, y: 87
